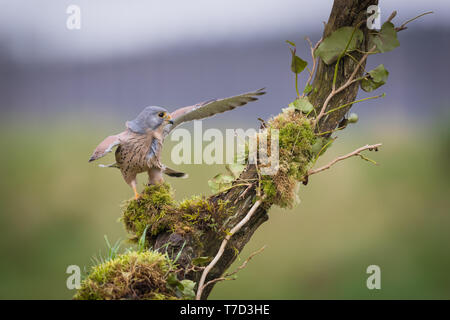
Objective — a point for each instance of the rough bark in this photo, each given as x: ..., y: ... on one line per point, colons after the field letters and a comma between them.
x: 344, y: 13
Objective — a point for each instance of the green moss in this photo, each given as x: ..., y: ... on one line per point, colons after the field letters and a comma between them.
x: 296, y: 138
x: 155, y: 199
x: 268, y: 187
x: 157, y: 212
x: 203, y: 214
x: 158, y: 195
x: 134, y: 275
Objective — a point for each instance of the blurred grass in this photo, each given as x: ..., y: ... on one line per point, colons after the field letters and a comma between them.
x: 55, y: 209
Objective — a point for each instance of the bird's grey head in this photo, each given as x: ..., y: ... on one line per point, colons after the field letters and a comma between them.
x: 150, y: 118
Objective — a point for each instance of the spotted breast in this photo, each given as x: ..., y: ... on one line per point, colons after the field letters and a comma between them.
x: 132, y: 154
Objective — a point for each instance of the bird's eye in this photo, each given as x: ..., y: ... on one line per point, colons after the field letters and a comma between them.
x: 161, y: 114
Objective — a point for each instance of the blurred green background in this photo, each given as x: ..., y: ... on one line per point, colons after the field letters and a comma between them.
x: 56, y: 208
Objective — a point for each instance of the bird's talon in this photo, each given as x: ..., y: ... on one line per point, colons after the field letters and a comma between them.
x: 136, y: 193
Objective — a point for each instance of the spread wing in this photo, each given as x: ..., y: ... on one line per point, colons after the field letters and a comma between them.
x: 210, y: 108
x: 106, y: 146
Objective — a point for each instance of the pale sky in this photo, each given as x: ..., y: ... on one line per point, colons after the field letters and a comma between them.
x: 113, y: 27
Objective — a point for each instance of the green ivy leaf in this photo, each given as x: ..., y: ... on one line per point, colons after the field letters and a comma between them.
x: 379, y: 74
x: 201, y: 261
x: 183, y: 289
x: 384, y: 40
x: 319, y: 144
x: 297, y: 63
x: 220, y: 182
x: 235, y: 169
x: 213, y: 186
x: 376, y: 78
x: 172, y: 280
x: 188, y: 289
x: 302, y: 104
x: 334, y: 45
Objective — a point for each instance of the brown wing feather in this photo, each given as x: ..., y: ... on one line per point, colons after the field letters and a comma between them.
x: 179, y: 112
x: 211, y: 107
x: 106, y: 146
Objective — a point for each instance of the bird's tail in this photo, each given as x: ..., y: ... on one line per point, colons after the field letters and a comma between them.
x: 173, y: 173
x: 112, y: 165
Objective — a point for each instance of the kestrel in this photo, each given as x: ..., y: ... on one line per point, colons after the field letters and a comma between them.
x: 139, y: 146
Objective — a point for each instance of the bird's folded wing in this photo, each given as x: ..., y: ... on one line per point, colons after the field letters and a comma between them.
x: 106, y: 146
x: 210, y: 108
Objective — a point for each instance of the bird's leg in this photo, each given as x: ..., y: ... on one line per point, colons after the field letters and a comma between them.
x: 133, y: 185
x: 155, y: 176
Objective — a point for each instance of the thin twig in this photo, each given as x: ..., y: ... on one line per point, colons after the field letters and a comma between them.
x: 228, y: 275
x: 234, y: 186
x: 351, y: 103
x: 336, y: 67
x: 357, y: 152
x: 392, y: 16
x: 355, y: 60
x: 331, y: 131
x: 350, y: 81
x: 242, y: 195
x: 403, y: 26
x: 194, y: 268
x: 258, y: 190
x: 219, y: 254
x: 313, y: 49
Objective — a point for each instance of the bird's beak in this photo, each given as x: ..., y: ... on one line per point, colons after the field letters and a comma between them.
x: 168, y: 118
